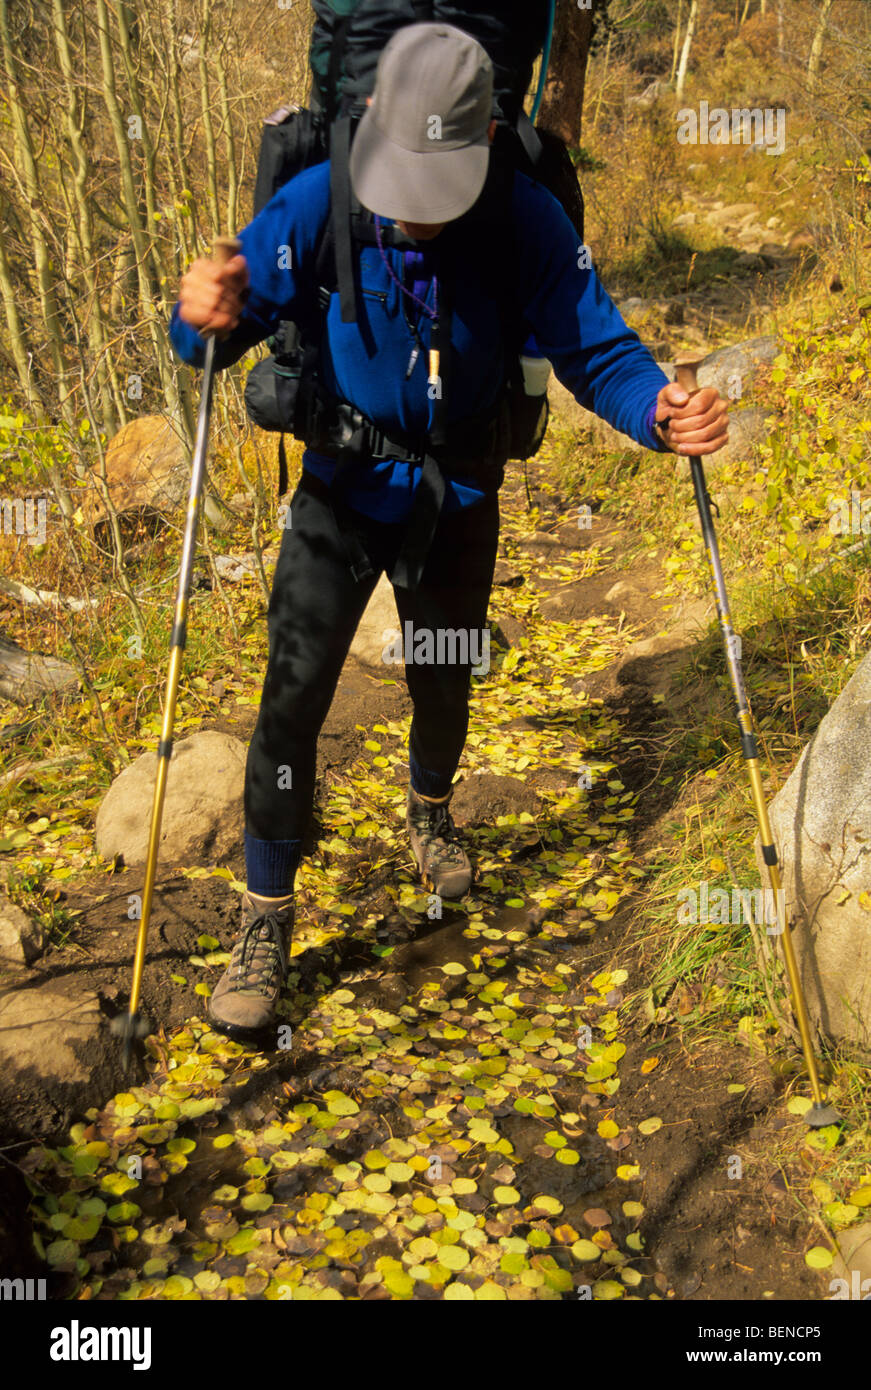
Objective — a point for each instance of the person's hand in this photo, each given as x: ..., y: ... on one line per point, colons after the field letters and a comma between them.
x: 212, y: 296
x: 697, y: 424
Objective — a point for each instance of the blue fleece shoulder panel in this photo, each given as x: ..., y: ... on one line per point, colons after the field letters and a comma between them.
x: 577, y: 326
x: 280, y: 247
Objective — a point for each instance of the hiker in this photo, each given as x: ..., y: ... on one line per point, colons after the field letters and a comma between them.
x: 423, y: 358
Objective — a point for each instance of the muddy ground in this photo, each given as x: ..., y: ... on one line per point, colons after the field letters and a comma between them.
x: 695, y: 1232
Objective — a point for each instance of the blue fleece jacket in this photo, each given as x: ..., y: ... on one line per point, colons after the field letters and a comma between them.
x: 562, y: 301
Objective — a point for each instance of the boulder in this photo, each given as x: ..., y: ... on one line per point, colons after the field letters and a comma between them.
x: 57, y: 1056
x: 821, y: 820
x: 21, y: 938
x: 507, y: 631
x: 379, y: 625
x: 651, y: 94
x: 237, y: 567
x: 731, y: 370
x: 202, y: 813
x: 147, y: 469
x: 26, y: 676
x: 45, y: 1031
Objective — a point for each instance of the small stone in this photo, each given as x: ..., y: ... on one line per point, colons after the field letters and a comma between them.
x: 21, y: 938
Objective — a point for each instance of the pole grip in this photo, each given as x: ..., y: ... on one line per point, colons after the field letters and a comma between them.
x: 225, y: 248
x: 685, y: 374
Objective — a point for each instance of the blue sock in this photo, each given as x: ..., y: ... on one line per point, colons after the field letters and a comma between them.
x: 427, y: 783
x: 271, y: 865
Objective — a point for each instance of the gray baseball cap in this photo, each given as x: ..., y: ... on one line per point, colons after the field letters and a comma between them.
x: 421, y: 152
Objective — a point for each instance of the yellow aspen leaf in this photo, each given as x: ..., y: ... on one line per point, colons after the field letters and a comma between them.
x: 650, y: 1126
x: 818, y: 1257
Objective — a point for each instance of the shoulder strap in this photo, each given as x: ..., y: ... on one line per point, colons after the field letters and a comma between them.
x: 336, y: 64
x: 340, y: 215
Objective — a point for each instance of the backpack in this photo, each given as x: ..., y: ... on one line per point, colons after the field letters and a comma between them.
x: 348, y: 37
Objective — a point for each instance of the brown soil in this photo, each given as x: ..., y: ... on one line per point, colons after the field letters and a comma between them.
x: 707, y: 1236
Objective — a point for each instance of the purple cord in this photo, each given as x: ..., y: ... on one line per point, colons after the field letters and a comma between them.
x: 434, y: 312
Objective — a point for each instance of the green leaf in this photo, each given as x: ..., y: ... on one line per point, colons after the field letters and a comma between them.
x: 243, y: 1242
x: 818, y: 1257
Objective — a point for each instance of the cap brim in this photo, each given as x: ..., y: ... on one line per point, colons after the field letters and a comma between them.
x: 433, y: 186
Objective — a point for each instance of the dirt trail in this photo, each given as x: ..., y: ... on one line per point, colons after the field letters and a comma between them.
x: 458, y: 1112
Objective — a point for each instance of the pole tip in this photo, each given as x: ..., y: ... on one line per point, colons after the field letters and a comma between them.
x: 820, y: 1115
x: 129, y: 1026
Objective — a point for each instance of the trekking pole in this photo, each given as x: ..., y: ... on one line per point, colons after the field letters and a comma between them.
x: 133, y: 1024
x: 819, y: 1114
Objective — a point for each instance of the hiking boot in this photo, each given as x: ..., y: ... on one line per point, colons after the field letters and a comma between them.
x: 443, y: 863
x: 249, y: 989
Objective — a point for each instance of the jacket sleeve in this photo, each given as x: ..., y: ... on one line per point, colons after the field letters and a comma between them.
x: 577, y: 326
x: 280, y: 247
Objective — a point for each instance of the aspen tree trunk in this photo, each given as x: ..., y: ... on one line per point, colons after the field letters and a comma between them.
x: 18, y: 341
x: 685, y: 51
x: 176, y: 404
x: 816, y: 53
x: 208, y: 127
x: 81, y: 221
x: 148, y: 162
x: 32, y: 196
x: 676, y: 48
x: 227, y: 124
x: 28, y: 180
x: 177, y: 163
x: 602, y: 83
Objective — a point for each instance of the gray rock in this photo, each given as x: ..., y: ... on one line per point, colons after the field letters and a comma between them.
x: 237, y: 567
x: 622, y: 593
x: 507, y: 631
x: 634, y: 305
x: 21, y: 938
x: 26, y: 676
x: 733, y: 214
x: 147, y: 469
x: 202, y: 813
x: 651, y: 94
x: 752, y: 260
x: 57, y: 1056
x: 379, y: 627
x: 507, y: 573
x: 732, y: 369
x: 821, y: 821
x: 852, y: 1263
x: 44, y: 1029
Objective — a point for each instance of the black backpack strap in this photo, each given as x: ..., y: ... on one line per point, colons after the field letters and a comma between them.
x: 337, y: 63
x: 528, y: 136
x: 340, y: 199
x: 430, y: 491
x: 282, y: 466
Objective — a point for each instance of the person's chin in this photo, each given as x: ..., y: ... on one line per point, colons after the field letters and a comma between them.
x: 418, y: 233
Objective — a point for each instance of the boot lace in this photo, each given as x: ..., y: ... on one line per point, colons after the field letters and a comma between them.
x: 435, y: 827
x: 260, y: 953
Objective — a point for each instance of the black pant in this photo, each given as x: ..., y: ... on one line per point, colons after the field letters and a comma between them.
x: 314, y: 610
